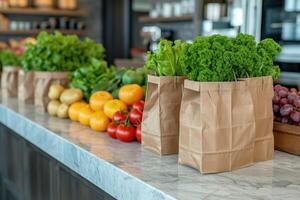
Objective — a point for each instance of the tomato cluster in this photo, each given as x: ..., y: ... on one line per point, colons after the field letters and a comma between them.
x: 127, y: 126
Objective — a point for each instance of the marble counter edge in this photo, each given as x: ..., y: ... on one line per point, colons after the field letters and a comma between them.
x: 102, y: 173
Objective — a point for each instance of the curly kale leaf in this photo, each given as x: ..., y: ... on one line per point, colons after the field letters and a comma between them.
x: 220, y: 58
x: 207, y: 59
x: 268, y: 50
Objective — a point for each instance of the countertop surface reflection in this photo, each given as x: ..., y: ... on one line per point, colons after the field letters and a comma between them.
x: 126, y: 171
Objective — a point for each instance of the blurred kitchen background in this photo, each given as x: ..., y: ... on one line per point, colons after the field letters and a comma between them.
x: 129, y: 28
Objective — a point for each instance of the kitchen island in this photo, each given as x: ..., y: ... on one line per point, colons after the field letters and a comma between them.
x: 127, y: 172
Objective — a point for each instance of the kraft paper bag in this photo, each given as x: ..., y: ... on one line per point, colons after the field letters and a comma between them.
x: 160, y: 126
x: 217, y: 126
x: 42, y: 83
x: 9, y: 81
x: 261, y: 89
x: 26, y: 87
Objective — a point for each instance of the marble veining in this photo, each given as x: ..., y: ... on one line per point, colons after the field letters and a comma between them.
x: 128, y: 172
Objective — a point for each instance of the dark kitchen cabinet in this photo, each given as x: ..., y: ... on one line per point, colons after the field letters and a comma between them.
x: 27, y: 173
x: 11, y: 168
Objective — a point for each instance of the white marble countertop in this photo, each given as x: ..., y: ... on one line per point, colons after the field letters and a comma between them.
x: 128, y: 172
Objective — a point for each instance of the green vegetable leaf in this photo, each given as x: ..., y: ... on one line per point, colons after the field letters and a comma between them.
x: 220, y: 58
x: 167, y: 60
x: 57, y: 52
x: 9, y: 58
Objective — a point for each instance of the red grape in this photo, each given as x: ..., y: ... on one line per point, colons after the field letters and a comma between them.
x: 283, y: 101
x: 293, y: 90
x: 276, y: 108
x: 286, y: 105
x: 295, y: 116
x: 277, y: 87
x: 283, y: 93
x: 286, y: 110
x: 276, y: 99
x: 297, y: 102
x: 285, y: 89
x: 294, y: 93
x: 291, y: 98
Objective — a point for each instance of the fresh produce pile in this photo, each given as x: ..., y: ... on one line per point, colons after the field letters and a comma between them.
x: 286, y: 105
x: 103, y: 112
x: 9, y: 58
x: 215, y: 58
x: 126, y: 126
x: 57, y: 52
x: 100, y: 77
x: 115, y: 95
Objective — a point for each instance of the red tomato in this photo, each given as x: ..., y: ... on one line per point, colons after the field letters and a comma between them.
x: 139, y: 105
x: 125, y: 134
x: 138, y: 134
x: 119, y: 116
x: 135, y: 117
x: 112, y: 130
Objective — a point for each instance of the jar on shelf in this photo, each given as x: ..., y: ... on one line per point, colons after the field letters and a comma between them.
x: 43, y: 3
x: 67, y: 4
x: 3, y: 3
x: 18, y: 3
x: 4, y: 23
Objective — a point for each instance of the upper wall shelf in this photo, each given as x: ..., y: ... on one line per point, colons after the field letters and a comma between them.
x: 151, y: 20
x: 44, y: 12
x: 34, y: 32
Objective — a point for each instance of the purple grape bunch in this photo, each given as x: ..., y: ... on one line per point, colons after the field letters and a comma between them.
x: 286, y: 105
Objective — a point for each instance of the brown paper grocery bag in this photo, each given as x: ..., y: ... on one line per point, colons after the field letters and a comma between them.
x: 9, y: 81
x: 261, y: 89
x: 26, y: 87
x: 42, y: 83
x: 160, y: 126
x: 217, y: 126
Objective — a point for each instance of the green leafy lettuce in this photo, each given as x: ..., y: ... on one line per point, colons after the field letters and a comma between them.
x: 57, y: 52
x: 167, y: 60
x: 85, y: 78
x: 9, y: 58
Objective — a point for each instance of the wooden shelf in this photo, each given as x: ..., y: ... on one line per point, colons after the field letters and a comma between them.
x: 44, y: 12
x: 36, y: 32
x: 151, y: 20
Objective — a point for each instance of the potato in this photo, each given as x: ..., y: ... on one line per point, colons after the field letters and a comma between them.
x: 71, y: 96
x: 55, y: 91
x: 62, y: 111
x: 53, y: 107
